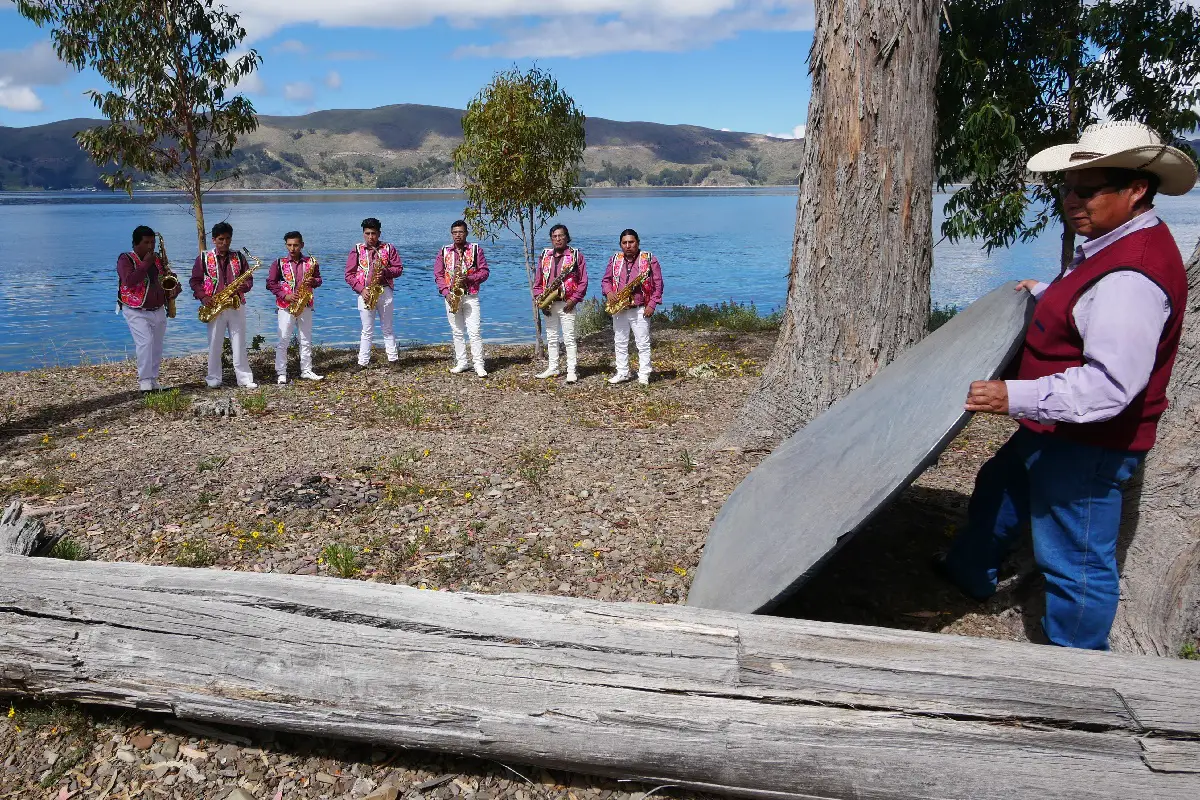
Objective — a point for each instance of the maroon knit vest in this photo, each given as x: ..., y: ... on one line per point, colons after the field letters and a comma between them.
x: 1052, y: 343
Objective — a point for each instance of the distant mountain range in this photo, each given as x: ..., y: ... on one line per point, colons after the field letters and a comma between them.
x: 410, y: 145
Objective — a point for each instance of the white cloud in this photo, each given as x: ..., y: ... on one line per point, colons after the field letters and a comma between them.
x: 291, y: 46
x: 299, y: 92
x: 22, y: 70
x: 797, y: 133
x: 18, y: 98
x: 252, y: 84
x: 333, y: 80
x: 545, y: 28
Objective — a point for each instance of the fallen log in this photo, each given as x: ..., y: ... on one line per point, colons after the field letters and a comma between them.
x: 710, y: 700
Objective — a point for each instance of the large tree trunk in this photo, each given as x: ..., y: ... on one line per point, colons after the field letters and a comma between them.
x: 1160, y: 542
x: 858, y: 292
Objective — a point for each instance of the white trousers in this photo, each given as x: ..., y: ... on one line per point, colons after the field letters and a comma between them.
x: 384, y: 310
x: 464, y: 324
x: 232, y: 320
x: 303, y: 326
x: 149, y: 329
x: 631, y: 318
x: 561, y: 323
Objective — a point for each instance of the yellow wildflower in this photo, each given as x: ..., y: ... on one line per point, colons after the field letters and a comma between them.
x: 427, y: 529
x: 679, y: 570
x: 12, y: 712
x: 595, y: 554
x: 467, y: 496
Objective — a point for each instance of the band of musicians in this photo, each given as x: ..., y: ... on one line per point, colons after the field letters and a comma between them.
x: 223, y: 276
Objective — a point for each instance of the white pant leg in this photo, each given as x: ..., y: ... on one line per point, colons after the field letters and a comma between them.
x: 641, y: 337
x: 304, y: 325
x: 237, y: 342
x: 621, y: 340
x: 553, y: 328
x: 458, y: 332
x: 141, y: 327
x: 159, y: 339
x: 286, y: 323
x: 567, y: 323
x: 367, y: 317
x: 474, y: 319
x: 386, y: 309
x: 216, y: 342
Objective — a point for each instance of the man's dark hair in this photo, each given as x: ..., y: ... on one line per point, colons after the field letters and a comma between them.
x: 293, y: 235
x: 1120, y: 178
x: 563, y: 228
x: 371, y: 224
x: 222, y: 229
x: 459, y: 223
x: 629, y: 232
x: 141, y: 232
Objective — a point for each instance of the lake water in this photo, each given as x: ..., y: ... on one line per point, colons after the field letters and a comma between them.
x: 58, y: 280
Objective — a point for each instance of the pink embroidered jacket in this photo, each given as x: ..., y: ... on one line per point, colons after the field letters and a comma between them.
x: 620, y: 271
x: 211, y: 272
x: 476, y: 264
x: 358, y: 263
x: 138, y: 282
x: 552, y: 263
x: 287, y: 273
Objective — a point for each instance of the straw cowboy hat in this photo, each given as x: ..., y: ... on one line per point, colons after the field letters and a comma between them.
x: 1126, y: 145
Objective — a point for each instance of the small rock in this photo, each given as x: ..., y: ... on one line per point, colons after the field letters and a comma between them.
x: 385, y: 792
x: 126, y: 756
x: 325, y: 778
x: 142, y: 742
x: 170, y: 748
x: 433, y: 783
x: 239, y: 794
x: 51, y: 757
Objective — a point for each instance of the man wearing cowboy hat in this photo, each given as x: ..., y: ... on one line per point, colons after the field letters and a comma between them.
x: 1090, y: 383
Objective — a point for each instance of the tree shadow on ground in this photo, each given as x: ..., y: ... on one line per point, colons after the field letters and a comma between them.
x: 100, y: 411
x: 884, y: 575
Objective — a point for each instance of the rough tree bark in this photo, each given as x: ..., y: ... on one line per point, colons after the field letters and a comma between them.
x: 858, y: 291
x: 1160, y: 543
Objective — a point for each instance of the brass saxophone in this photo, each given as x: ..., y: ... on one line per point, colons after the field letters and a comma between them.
x: 620, y: 300
x: 168, y: 281
x: 303, y: 295
x: 228, y: 297
x: 553, y: 292
x: 458, y: 289
x: 374, y: 288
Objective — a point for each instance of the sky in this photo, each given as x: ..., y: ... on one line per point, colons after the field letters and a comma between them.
x: 734, y: 64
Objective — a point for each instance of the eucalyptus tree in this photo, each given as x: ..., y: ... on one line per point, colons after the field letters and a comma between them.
x: 520, y: 158
x: 168, y: 65
x: 1017, y: 76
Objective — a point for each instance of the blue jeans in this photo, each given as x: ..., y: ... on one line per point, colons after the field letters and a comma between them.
x: 1071, y: 495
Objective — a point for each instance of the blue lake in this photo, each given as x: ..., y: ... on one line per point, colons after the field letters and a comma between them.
x: 58, y: 279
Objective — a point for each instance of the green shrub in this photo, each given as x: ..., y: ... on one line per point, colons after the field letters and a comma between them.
x: 254, y: 402
x: 741, y: 317
x: 590, y: 317
x: 68, y: 549
x: 194, y: 552
x: 341, y: 559
x: 168, y: 403
x: 939, y: 315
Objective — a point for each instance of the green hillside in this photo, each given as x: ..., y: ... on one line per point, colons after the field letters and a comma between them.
x: 410, y: 146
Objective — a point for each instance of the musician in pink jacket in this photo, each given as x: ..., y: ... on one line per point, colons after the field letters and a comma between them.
x: 640, y: 269
x: 374, y: 254
x: 562, y: 267
x: 465, y: 259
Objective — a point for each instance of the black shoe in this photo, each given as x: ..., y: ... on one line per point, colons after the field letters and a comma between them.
x: 942, y: 569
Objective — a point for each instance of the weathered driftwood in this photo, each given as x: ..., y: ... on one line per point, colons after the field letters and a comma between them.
x: 1160, y: 547
x: 724, y: 702
x: 22, y: 533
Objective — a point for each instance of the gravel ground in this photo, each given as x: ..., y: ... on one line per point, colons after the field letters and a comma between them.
x: 406, y: 474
